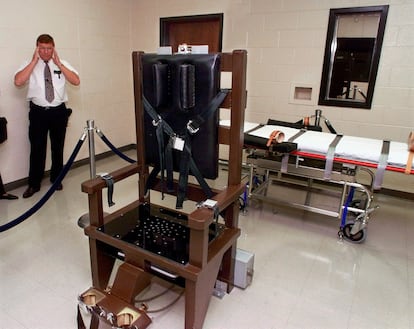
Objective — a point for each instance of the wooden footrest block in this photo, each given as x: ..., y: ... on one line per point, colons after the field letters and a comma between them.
x: 112, y: 311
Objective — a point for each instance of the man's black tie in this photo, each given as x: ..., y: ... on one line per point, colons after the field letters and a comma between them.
x: 49, y: 93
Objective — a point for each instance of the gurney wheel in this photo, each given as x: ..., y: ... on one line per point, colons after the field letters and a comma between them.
x: 358, y: 237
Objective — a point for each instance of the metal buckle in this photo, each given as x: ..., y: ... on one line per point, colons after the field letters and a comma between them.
x: 191, y: 129
x: 156, y: 123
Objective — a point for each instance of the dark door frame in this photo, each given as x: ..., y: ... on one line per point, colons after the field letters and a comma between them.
x: 166, y: 23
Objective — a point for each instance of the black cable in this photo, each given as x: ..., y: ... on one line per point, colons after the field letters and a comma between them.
x: 170, y: 288
x: 155, y: 296
x: 168, y: 305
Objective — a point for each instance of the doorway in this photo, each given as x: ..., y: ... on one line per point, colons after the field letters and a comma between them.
x: 192, y: 30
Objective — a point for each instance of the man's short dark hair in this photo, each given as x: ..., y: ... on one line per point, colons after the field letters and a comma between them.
x: 45, y: 38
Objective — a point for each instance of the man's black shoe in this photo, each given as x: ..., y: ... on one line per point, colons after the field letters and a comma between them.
x: 59, y: 187
x: 30, y: 191
x: 8, y: 196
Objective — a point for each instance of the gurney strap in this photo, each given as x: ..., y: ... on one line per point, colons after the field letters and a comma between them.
x: 411, y: 154
x: 409, y: 163
x: 254, y: 128
x: 382, y: 165
x: 285, y: 159
x: 330, y: 157
x: 299, y: 133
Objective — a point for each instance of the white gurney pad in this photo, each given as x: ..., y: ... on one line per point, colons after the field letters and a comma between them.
x: 315, y: 142
x: 359, y: 148
x: 247, y: 125
x: 365, y: 150
x: 266, y: 130
x: 398, y: 154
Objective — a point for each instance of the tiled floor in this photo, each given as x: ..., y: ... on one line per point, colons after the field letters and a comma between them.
x: 304, y: 277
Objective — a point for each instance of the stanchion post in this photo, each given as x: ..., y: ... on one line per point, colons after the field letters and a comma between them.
x: 84, y: 221
x: 318, y: 114
x: 91, y: 139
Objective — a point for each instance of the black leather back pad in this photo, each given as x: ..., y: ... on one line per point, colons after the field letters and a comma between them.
x: 179, y: 87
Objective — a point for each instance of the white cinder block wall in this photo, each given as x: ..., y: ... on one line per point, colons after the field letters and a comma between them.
x: 285, y: 40
x: 94, y: 36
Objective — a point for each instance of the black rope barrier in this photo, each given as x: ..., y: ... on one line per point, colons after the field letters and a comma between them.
x: 113, y: 148
x: 49, y: 193
x: 59, y: 179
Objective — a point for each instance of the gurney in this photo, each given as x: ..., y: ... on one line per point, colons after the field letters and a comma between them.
x: 313, y: 160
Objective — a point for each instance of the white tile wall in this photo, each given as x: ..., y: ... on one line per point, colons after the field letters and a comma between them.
x: 285, y: 42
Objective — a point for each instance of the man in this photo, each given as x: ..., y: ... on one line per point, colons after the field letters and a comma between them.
x: 47, y: 75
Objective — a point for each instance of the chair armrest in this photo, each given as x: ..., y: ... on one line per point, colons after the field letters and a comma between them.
x: 201, y: 218
x: 94, y: 185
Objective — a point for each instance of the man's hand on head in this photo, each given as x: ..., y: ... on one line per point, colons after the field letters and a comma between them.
x: 36, y: 55
x: 56, y: 59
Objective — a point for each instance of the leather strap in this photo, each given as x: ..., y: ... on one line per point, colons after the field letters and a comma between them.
x: 330, y: 157
x: 409, y: 163
x: 299, y: 133
x: 81, y: 324
x: 411, y: 154
x: 94, y: 324
x: 184, y: 171
x: 411, y: 141
x: 166, y: 155
x: 276, y: 136
x: 382, y: 165
x: 330, y: 127
x: 194, y: 124
x: 110, y: 185
x: 285, y: 159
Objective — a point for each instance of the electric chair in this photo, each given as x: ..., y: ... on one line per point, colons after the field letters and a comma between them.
x: 208, y: 253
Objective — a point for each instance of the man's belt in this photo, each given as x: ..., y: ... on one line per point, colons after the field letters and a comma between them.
x: 45, y: 108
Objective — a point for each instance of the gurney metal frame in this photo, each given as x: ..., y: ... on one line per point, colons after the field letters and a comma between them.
x: 343, y: 176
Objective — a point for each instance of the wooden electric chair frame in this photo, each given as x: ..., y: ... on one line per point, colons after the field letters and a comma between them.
x: 208, y: 261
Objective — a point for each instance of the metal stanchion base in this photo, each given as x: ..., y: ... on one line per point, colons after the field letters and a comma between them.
x: 84, y: 221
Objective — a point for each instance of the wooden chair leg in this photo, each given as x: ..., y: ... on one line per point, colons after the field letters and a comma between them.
x: 198, y: 294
